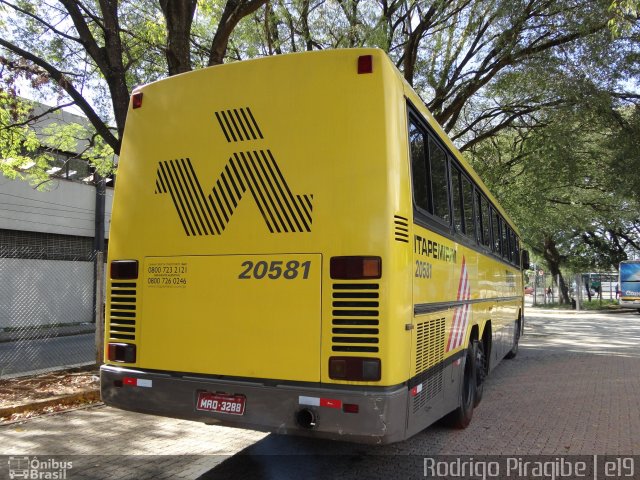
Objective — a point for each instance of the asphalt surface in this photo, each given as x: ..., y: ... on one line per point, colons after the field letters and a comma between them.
x: 571, y: 393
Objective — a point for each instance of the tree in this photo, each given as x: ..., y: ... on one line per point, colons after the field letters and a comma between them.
x: 93, y: 53
x: 456, y: 54
x: 561, y: 182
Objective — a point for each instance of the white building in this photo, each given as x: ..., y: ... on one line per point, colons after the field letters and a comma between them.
x: 47, y: 246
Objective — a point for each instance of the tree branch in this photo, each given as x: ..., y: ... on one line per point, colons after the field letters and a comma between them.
x: 67, y: 86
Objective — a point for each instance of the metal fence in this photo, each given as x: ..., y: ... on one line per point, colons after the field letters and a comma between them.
x: 544, y: 288
x: 48, y: 309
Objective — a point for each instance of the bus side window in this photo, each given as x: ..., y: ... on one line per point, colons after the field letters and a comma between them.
x: 516, y: 250
x: 419, y: 168
x: 479, y: 218
x: 506, y: 240
x: 439, y: 180
x: 497, y: 240
x: 467, y: 202
x: 486, y: 226
x: 456, y: 192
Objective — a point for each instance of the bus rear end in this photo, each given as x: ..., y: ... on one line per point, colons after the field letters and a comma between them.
x: 257, y: 220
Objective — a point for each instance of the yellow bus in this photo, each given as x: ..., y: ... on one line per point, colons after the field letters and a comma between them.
x: 297, y: 247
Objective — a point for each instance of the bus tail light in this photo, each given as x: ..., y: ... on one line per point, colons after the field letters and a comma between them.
x: 355, y: 368
x: 124, y: 269
x: 355, y: 268
x: 122, y: 352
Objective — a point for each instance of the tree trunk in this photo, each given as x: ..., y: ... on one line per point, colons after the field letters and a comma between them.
x: 234, y: 11
x: 179, y: 16
x: 553, y: 260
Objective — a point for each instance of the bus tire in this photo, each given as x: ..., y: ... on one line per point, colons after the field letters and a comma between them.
x: 481, y: 370
x: 514, y: 351
x: 461, y: 416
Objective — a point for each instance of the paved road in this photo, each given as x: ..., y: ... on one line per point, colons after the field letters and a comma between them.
x: 41, y: 354
x: 573, y: 389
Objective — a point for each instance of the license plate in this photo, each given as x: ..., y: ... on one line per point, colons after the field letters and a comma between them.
x: 221, y: 403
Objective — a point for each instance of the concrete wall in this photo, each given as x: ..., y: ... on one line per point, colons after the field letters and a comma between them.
x: 66, y: 208
x: 38, y: 291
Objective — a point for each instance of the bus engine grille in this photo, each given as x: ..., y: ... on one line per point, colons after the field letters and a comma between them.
x: 122, y: 314
x: 429, y: 357
x: 355, y: 317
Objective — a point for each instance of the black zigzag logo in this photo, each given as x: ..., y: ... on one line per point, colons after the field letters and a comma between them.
x: 256, y: 171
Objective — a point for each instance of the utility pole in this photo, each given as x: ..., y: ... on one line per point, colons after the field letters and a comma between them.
x: 98, y: 276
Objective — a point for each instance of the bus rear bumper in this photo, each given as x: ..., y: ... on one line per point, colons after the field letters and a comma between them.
x: 285, y: 409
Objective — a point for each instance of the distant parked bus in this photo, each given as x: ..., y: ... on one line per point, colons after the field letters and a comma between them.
x: 630, y: 284
x: 297, y: 247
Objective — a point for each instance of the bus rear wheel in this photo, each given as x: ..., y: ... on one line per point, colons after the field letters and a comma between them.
x: 514, y: 351
x: 481, y: 370
x: 461, y: 416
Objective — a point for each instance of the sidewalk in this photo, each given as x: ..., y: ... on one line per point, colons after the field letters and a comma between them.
x: 103, y: 442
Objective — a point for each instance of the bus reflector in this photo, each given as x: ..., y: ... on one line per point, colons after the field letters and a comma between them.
x: 137, y: 382
x: 355, y: 268
x: 136, y: 100
x: 350, y: 408
x: 121, y: 352
x: 124, y: 269
x: 355, y: 368
x: 365, y: 64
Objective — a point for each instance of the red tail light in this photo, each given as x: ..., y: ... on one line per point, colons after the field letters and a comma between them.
x: 355, y: 268
x: 355, y: 368
x: 121, y: 352
x: 124, y: 269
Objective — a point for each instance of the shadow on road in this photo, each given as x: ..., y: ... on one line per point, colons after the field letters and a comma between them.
x: 317, y: 459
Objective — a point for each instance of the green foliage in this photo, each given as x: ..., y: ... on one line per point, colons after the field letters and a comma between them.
x: 75, y: 137
x: 624, y: 13
x: 562, y: 182
x: 20, y: 157
x: 28, y: 154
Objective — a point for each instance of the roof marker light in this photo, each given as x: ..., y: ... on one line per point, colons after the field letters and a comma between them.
x: 365, y: 64
x: 136, y: 100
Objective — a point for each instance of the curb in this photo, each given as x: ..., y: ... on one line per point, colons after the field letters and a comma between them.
x: 574, y: 312
x: 88, y: 396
